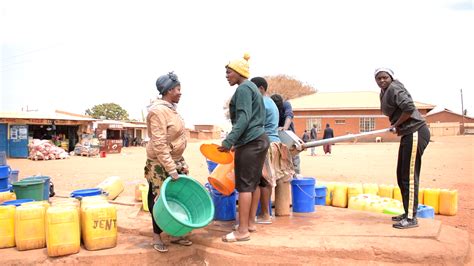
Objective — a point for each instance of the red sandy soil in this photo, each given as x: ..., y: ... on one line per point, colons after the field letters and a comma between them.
x: 447, y: 163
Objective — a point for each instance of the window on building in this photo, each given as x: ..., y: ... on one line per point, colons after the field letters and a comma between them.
x: 366, y: 124
x: 311, y: 121
x: 340, y: 121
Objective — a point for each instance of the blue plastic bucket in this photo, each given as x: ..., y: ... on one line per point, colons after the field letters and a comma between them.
x: 88, y: 192
x: 4, y: 174
x: 320, y: 195
x: 210, y: 165
x: 8, y: 189
x: 5, y: 171
x: 320, y: 191
x: 224, y: 206
x: 46, y: 186
x: 425, y: 211
x: 17, y: 202
x: 302, y: 191
x: 320, y: 201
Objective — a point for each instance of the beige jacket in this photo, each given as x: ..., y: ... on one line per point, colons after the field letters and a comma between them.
x: 167, y: 135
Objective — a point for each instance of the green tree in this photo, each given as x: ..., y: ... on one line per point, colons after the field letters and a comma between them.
x: 109, y: 111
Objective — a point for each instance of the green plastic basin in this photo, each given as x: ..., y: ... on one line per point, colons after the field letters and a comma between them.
x: 183, y: 205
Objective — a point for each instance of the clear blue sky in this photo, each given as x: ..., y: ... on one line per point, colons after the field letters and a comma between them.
x: 73, y: 55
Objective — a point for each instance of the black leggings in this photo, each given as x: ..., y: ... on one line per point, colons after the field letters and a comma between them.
x: 151, y: 203
x: 410, y: 152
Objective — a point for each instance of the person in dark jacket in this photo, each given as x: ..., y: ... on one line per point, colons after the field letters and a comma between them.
x: 313, y: 137
x: 328, y: 133
x: 248, y: 139
x: 397, y: 103
x: 305, y: 137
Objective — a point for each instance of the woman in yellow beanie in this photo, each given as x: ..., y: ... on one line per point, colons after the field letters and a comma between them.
x: 250, y: 143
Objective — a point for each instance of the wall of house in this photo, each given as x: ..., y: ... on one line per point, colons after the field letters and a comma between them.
x: 350, y: 123
x: 445, y: 129
x: 447, y: 117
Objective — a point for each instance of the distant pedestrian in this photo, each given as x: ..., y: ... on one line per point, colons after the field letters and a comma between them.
x: 313, y: 137
x: 305, y: 136
x: 328, y: 133
x: 407, y: 122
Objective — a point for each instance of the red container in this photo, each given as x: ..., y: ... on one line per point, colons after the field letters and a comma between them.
x: 103, y: 154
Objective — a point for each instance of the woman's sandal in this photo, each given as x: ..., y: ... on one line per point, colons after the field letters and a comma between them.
x: 182, y: 242
x: 230, y: 237
x: 160, y: 247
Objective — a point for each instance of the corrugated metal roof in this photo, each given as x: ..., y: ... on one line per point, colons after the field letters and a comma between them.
x: 44, y: 115
x: 358, y: 100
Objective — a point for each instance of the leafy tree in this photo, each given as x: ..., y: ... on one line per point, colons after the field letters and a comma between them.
x: 286, y: 86
x: 109, y: 111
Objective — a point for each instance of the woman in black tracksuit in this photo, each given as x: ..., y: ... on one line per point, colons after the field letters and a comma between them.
x: 397, y: 104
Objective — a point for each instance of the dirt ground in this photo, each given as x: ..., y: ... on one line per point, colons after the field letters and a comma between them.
x: 447, y: 163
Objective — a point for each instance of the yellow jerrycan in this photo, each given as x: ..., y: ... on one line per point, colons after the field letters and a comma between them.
x: 358, y: 202
x: 99, y: 226
x: 354, y: 189
x: 448, y: 202
x: 43, y: 203
x: 144, y: 196
x: 7, y: 196
x: 386, y: 191
x: 375, y: 205
x: 62, y: 231
x: 329, y: 191
x: 113, y: 185
x: 340, y: 195
x: 431, y: 198
x: 397, y: 194
x: 371, y: 188
x: 30, y: 227
x: 7, y: 226
x: 421, y: 195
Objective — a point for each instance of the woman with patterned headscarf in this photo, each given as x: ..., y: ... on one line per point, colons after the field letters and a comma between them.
x: 407, y: 122
x: 165, y: 149
x: 248, y: 139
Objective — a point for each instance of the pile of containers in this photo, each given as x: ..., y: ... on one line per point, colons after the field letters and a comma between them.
x: 339, y: 194
x: 59, y: 226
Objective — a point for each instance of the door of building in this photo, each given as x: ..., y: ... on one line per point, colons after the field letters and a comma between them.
x: 18, y: 145
x: 4, y: 138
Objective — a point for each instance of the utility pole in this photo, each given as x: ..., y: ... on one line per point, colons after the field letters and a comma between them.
x: 462, y: 114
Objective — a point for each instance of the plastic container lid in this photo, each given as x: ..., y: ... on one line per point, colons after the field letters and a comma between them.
x: 211, y: 152
x: 17, y: 202
x: 86, y: 192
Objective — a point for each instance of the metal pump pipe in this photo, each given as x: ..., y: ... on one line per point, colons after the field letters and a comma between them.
x: 295, y: 144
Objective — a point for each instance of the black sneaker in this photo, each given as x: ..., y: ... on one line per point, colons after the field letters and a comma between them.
x: 399, y: 217
x: 406, y: 223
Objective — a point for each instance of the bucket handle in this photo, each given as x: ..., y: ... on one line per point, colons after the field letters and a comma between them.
x: 309, y: 196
